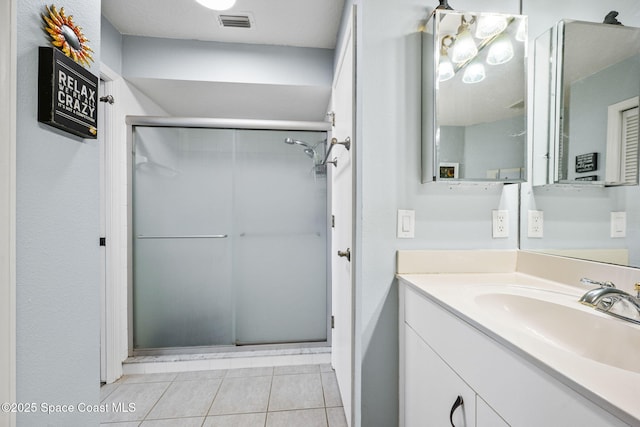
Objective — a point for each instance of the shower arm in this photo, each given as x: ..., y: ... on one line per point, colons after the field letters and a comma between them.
x: 334, y: 142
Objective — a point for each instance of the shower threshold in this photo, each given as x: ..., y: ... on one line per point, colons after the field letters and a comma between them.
x: 227, y: 357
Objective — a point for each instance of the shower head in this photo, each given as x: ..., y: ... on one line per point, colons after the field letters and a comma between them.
x: 297, y: 142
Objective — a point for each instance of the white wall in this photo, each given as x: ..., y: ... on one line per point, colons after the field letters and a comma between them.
x: 57, y: 226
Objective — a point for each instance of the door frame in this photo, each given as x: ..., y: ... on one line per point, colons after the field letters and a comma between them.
x: 8, y: 124
x: 112, y: 327
x: 212, y: 123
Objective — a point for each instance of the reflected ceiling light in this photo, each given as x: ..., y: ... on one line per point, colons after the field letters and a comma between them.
x: 521, y: 33
x: 474, y: 73
x: 445, y: 67
x: 465, y: 47
x: 490, y: 25
x: 217, y: 4
x: 501, y: 50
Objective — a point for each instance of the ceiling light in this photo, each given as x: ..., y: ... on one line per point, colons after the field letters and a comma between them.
x: 490, y: 25
x: 474, y: 73
x: 445, y: 67
x: 501, y: 51
x: 217, y: 4
x: 465, y: 47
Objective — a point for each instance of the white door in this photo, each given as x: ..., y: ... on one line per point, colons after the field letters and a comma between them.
x: 342, y: 210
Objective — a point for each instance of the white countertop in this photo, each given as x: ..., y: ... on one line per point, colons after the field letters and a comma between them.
x: 472, y: 297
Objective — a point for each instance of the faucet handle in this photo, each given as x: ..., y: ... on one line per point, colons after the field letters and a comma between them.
x: 606, y: 284
x: 637, y: 288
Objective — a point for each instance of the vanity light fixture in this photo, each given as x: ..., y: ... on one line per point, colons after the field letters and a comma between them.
x: 464, y: 47
x: 501, y: 50
x: 217, y: 4
x: 445, y: 67
x: 474, y: 73
x: 490, y: 25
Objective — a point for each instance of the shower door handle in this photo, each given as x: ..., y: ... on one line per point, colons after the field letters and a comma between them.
x: 345, y: 254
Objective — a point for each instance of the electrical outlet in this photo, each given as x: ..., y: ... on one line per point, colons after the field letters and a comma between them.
x: 536, y: 224
x: 500, y: 224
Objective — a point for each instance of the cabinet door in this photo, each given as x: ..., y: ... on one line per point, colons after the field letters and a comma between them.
x: 486, y: 416
x: 432, y: 388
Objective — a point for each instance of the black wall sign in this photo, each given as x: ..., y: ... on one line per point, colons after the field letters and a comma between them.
x: 587, y: 162
x: 67, y: 94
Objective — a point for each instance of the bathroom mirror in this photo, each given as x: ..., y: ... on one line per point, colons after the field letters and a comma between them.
x: 474, y: 97
x: 593, y: 73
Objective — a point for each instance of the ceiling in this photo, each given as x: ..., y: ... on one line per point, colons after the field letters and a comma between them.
x: 304, y: 23
x: 299, y: 23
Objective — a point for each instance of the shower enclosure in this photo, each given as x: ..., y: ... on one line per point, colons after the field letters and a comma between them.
x: 229, y: 238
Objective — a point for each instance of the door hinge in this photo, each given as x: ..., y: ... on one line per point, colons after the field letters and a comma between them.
x: 332, y: 118
x: 333, y: 322
x: 333, y: 221
x: 103, y: 241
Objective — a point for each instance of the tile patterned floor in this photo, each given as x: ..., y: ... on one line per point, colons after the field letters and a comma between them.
x: 284, y: 396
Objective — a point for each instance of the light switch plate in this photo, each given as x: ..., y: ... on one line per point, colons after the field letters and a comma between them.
x: 406, y: 224
x: 618, y: 224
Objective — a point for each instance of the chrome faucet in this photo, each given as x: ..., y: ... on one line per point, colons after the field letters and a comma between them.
x: 607, y: 295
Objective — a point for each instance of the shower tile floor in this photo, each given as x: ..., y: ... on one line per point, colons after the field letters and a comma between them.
x: 282, y: 396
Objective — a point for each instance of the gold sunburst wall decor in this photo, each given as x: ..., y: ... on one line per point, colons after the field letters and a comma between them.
x: 67, y: 36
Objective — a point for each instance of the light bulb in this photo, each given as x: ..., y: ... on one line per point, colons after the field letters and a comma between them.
x: 464, y: 47
x: 217, y: 4
x: 490, y: 25
x: 474, y: 73
x: 445, y: 68
x: 501, y: 51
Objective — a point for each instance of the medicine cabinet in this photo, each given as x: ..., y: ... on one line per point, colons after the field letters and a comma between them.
x: 474, y: 97
x: 587, y: 83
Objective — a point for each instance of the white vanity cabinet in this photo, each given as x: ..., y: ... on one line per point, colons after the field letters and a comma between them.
x: 432, y: 388
x: 442, y: 356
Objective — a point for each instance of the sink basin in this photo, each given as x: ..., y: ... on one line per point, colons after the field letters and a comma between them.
x: 560, y: 320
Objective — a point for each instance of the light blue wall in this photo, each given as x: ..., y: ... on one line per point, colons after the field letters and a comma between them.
x: 110, y: 46
x: 57, y: 230
x: 589, y: 100
x: 158, y: 58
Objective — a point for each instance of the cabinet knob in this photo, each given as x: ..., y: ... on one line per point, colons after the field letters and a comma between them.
x: 458, y: 403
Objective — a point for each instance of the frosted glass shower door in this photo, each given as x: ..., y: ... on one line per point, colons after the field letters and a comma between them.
x: 182, y: 219
x: 280, y: 268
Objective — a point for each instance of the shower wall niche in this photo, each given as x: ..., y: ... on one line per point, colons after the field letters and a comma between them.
x: 229, y: 238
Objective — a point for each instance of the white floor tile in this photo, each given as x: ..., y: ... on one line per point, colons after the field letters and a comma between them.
x: 305, y: 417
x: 174, y: 422
x: 201, y: 375
x: 186, y: 399
x: 142, y: 397
x: 242, y: 395
x: 336, y: 418
x: 301, y: 391
x: 296, y: 369
x: 331, y: 390
x: 239, y: 420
